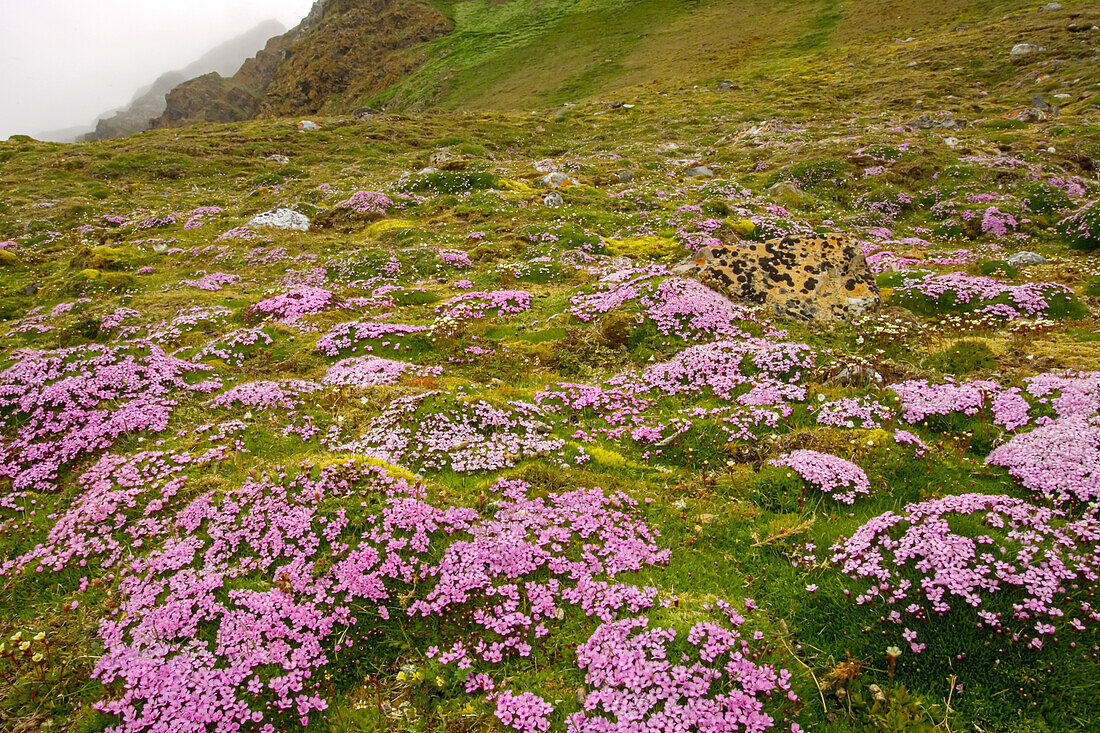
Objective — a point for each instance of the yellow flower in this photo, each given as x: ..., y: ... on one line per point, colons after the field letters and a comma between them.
x: 400, y: 676
x: 438, y: 681
x: 24, y: 646
x: 40, y: 636
x: 417, y: 676
x: 37, y: 657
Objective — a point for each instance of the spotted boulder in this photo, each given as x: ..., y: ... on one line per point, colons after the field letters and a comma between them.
x: 811, y: 278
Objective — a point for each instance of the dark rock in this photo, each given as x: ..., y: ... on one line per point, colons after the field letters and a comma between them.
x: 31, y: 289
x: 553, y: 199
x: 625, y: 176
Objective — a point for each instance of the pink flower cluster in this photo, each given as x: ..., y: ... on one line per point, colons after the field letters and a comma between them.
x: 367, y: 202
x: 476, y: 304
x: 1059, y: 461
x: 676, y: 306
x: 368, y: 371
x: 285, y: 394
x: 349, y: 336
x: 652, y: 679
x: 58, y: 406
x: 233, y: 347
x: 1025, y: 579
x: 456, y: 258
x: 436, y: 432
x: 921, y: 399
x: 979, y: 293
x: 841, y: 479
x: 237, y: 599
x: 848, y: 412
x: 296, y: 304
x: 526, y: 712
x: 213, y: 281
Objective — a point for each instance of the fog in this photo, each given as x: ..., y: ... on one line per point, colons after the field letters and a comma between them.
x: 65, y: 62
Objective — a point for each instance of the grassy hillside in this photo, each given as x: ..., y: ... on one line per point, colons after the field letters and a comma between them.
x: 508, y: 55
x: 435, y: 463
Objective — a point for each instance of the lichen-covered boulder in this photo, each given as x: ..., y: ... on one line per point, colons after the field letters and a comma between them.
x: 811, y: 278
x: 280, y: 219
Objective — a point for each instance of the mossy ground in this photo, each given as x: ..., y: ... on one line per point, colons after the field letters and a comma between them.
x: 830, y: 94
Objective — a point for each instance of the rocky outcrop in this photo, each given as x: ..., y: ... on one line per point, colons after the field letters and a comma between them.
x: 149, y: 103
x: 344, y: 49
x: 811, y: 278
x: 360, y: 48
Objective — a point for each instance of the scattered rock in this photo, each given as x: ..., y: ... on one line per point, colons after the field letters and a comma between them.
x: 952, y: 141
x: 790, y: 196
x: 280, y: 159
x: 1024, y: 49
x: 281, y: 219
x: 856, y: 376
x: 724, y: 86
x: 31, y: 289
x: 444, y: 159
x: 1027, y: 259
x: 365, y: 113
x: 308, y: 126
x: 558, y: 180
x: 1039, y: 102
x: 819, y: 278
x: 1053, y: 6
x: 625, y: 176
x: 926, y: 122
x: 699, y: 171
x: 1026, y: 114
x: 429, y: 171
x: 553, y: 199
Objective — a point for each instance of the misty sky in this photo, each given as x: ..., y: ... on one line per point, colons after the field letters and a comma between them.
x: 64, y: 62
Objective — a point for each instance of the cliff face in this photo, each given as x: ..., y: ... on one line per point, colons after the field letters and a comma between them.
x: 149, y: 103
x: 358, y: 49
x: 344, y: 50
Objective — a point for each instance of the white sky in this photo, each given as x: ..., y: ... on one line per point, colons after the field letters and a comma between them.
x: 64, y: 62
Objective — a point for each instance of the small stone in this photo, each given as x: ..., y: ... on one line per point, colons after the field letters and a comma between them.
x: 1027, y: 259
x: 699, y: 171
x: 954, y: 124
x: 558, y: 180
x: 923, y: 122
x: 725, y: 86
x: 429, y: 171
x: 281, y: 219
x: 790, y: 196
x: 951, y: 141
x: 1040, y: 102
x: 308, y: 126
x: 1023, y: 49
x: 280, y: 159
x: 31, y: 289
x: 625, y: 176
x: 553, y: 199
x: 857, y: 376
x: 1053, y: 6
